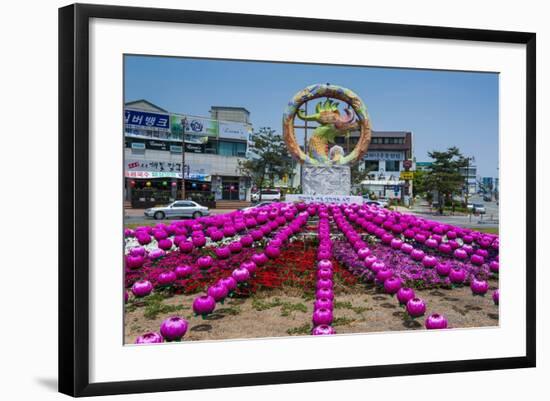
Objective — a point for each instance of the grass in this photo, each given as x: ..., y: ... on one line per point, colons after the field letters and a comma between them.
x: 154, y: 306
x: 231, y: 310
x: 143, y: 223
x: 303, y: 329
x: 348, y: 305
x: 286, y: 307
x: 488, y: 230
x: 261, y: 305
x: 342, y: 321
x: 153, y: 309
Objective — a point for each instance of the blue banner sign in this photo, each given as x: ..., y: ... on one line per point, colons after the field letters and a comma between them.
x: 147, y: 119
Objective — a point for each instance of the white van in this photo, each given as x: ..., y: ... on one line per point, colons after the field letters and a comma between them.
x: 267, y: 195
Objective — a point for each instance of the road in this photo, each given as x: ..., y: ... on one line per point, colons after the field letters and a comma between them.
x: 136, y: 217
x: 488, y: 220
x: 421, y: 209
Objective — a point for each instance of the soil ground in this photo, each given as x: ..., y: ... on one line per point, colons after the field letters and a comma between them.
x: 358, y: 309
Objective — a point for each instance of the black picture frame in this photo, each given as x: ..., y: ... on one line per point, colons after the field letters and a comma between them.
x: 74, y: 190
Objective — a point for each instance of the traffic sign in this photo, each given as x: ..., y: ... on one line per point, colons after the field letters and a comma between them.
x: 406, y: 175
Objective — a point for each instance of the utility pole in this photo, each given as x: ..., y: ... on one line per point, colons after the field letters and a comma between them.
x: 467, y: 184
x: 305, y: 127
x: 184, y: 124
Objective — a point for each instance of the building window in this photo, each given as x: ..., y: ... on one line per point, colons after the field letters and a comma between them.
x: 232, y: 148
x: 225, y: 148
x: 392, y: 165
x: 211, y: 147
x: 240, y: 149
x: 372, y: 165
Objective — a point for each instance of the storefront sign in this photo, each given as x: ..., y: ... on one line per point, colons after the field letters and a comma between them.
x: 165, y: 174
x: 163, y: 169
x: 384, y: 155
x: 146, y: 119
x: 230, y: 130
x: 324, y: 198
x: 189, y: 148
x: 193, y: 148
x: 172, y: 146
x: 196, y: 126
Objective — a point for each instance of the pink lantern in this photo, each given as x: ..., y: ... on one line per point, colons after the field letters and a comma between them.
x: 204, y: 305
x: 416, y: 307
x: 404, y: 294
x: 436, y: 321
x: 322, y: 316
x: 323, y: 330
x: 218, y: 292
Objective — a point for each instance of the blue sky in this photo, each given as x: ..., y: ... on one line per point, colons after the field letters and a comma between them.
x: 441, y: 108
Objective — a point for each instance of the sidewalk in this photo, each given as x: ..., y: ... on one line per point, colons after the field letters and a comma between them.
x: 139, y: 212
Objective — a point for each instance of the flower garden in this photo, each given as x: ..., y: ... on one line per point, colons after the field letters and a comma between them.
x: 306, y: 269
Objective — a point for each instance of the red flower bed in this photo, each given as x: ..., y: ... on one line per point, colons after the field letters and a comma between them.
x: 294, y: 268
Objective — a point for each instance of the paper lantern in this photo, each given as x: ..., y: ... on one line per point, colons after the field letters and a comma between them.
x: 148, y: 183
x: 174, y: 184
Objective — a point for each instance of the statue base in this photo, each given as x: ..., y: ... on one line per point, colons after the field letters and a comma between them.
x: 326, y: 180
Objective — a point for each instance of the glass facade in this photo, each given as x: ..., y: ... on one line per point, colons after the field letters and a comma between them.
x: 226, y: 148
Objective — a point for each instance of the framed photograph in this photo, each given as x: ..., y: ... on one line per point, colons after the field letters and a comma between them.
x: 251, y: 199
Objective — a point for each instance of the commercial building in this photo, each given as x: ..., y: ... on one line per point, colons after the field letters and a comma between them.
x: 487, y: 184
x: 470, y: 179
x: 386, y: 159
x: 154, y: 160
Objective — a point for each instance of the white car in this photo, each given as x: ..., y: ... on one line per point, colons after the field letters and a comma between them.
x: 267, y: 195
x: 260, y: 204
x: 479, y: 208
x: 377, y: 202
x: 182, y: 208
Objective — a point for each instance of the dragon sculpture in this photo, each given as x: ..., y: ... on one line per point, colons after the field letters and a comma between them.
x: 332, y: 123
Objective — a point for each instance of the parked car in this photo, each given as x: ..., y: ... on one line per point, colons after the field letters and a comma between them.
x: 179, y: 208
x: 487, y: 198
x: 259, y: 204
x: 267, y: 194
x: 479, y: 208
x: 378, y: 202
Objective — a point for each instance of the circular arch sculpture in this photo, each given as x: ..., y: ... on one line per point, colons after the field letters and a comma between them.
x: 332, y: 124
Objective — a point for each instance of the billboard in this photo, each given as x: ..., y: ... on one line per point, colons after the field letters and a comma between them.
x: 139, y: 118
x: 233, y: 130
x: 196, y: 126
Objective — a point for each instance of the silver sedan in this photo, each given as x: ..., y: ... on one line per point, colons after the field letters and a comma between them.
x: 177, y: 209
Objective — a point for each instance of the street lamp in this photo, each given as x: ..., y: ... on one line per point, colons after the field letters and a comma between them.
x: 184, y: 125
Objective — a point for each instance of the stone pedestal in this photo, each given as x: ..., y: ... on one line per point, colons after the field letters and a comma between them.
x: 326, y: 180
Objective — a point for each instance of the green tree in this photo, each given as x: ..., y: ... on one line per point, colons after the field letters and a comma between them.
x: 420, y: 185
x: 268, y: 159
x: 444, y: 176
x: 358, y: 175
